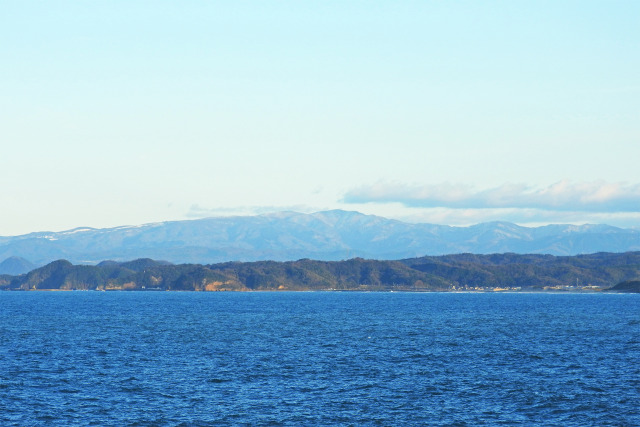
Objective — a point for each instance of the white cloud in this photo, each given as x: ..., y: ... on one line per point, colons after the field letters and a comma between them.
x: 597, y: 196
x: 197, y: 211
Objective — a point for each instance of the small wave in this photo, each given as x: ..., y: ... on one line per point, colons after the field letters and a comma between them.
x: 219, y: 380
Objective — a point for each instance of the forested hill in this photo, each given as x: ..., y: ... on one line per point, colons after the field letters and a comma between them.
x: 439, y: 273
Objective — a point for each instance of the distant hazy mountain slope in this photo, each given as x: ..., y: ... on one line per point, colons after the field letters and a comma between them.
x: 15, y: 265
x: 330, y: 235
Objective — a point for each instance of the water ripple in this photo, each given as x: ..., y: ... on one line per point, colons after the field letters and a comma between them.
x: 156, y: 359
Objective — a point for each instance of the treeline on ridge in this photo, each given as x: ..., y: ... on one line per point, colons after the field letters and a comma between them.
x: 437, y: 273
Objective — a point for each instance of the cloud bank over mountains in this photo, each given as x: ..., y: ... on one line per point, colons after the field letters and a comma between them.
x: 598, y: 196
x: 457, y: 204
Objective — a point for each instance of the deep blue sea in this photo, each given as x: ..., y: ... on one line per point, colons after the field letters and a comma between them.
x: 323, y: 358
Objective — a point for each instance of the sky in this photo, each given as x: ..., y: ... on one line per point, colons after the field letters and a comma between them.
x: 129, y: 112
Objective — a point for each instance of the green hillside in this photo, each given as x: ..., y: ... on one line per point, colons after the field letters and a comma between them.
x: 442, y: 273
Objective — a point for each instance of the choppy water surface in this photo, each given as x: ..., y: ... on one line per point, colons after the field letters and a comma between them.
x: 197, y: 359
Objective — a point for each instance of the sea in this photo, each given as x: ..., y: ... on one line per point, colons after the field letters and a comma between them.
x: 319, y: 358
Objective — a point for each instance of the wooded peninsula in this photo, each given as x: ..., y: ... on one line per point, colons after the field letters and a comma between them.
x: 619, y: 272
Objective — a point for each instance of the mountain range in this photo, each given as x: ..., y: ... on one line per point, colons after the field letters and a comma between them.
x: 284, y: 236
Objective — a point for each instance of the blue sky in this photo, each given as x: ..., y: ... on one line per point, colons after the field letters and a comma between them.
x: 128, y: 112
